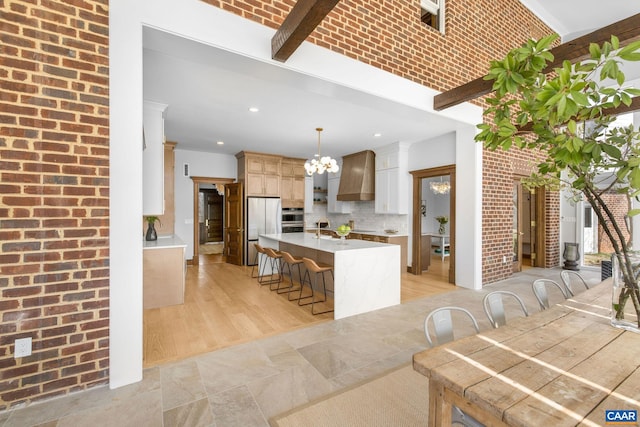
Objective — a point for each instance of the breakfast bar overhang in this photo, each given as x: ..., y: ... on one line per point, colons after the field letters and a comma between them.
x: 366, y: 274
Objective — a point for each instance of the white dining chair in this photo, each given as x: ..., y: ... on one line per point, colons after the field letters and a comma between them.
x: 442, y: 324
x: 441, y: 321
x: 540, y: 291
x: 494, y: 307
x: 568, y: 277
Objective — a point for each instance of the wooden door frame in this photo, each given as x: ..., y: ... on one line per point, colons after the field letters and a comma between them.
x: 197, y: 180
x: 418, y: 175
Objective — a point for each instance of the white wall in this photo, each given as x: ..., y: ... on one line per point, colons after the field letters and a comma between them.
x: 196, y: 20
x: 201, y: 165
x: 459, y: 148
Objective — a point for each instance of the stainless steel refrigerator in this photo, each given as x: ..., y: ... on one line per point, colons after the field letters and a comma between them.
x: 264, y: 216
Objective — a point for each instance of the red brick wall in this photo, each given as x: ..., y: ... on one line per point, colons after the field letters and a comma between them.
x: 54, y: 195
x: 619, y: 205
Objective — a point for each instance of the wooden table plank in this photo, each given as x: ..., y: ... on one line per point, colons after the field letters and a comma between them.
x: 583, y: 387
x: 625, y: 396
x: 497, y: 394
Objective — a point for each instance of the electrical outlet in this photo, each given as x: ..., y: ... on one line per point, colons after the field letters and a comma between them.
x: 504, y: 259
x: 23, y: 347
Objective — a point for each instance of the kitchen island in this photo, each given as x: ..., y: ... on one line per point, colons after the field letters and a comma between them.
x: 366, y: 274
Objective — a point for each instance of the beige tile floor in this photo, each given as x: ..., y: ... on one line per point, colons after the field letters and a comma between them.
x: 247, y: 384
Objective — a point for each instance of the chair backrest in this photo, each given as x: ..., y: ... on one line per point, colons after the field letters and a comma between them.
x: 443, y: 324
x: 540, y: 291
x: 569, y: 276
x: 494, y: 307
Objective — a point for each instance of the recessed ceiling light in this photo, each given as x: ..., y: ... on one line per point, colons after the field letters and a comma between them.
x: 254, y: 109
x: 377, y: 135
x: 220, y: 142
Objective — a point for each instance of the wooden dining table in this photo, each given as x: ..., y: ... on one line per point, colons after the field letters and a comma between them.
x: 564, y: 366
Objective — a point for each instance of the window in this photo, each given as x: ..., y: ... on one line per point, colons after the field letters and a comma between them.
x: 432, y: 13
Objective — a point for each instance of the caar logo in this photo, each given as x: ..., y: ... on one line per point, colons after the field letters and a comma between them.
x: 621, y: 416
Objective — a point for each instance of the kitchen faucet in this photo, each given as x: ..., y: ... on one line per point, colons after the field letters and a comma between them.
x: 320, y: 221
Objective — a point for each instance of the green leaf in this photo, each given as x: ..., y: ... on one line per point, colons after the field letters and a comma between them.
x: 633, y: 212
x: 629, y: 51
x: 611, y: 151
x: 594, y: 51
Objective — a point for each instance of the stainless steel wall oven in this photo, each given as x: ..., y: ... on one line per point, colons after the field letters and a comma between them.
x: 292, y: 220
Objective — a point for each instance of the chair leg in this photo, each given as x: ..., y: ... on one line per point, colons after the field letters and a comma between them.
x: 300, y: 297
x: 261, y: 274
x: 324, y: 291
x: 287, y: 289
x: 291, y: 289
x: 276, y: 265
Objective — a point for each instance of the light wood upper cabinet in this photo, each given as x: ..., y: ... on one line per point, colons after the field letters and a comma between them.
x: 260, y: 173
x: 292, y: 183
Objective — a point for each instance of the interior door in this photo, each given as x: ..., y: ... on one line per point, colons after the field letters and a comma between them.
x: 517, y: 226
x: 213, y: 216
x: 233, y: 223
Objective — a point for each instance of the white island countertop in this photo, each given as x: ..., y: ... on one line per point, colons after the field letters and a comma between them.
x: 366, y: 231
x: 324, y: 243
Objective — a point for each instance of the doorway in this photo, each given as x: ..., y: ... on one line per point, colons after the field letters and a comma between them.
x: 434, y: 198
x: 210, y: 219
x: 209, y: 214
x: 528, y: 227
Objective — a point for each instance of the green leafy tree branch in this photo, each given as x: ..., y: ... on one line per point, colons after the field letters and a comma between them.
x: 565, y: 117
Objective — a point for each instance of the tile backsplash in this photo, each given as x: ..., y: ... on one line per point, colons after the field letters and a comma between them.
x: 363, y: 213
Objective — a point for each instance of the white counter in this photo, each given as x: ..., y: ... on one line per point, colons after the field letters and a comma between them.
x: 163, y: 242
x: 366, y: 274
x: 367, y: 232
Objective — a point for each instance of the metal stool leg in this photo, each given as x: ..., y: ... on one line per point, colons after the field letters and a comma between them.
x: 324, y: 291
x: 300, y: 297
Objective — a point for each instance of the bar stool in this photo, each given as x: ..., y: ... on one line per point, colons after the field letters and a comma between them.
x: 289, y: 261
x: 261, y: 262
x: 258, y: 261
x: 276, y: 258
x: 314, y: 267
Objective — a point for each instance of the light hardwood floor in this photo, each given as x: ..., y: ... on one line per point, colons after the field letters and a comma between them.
x: 224, y: 306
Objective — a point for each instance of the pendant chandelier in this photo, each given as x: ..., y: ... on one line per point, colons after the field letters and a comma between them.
x: 320, y: 164
x: 440, y: 187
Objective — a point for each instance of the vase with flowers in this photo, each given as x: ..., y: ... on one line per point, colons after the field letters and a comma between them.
x: 151, y: 234
x: 443, y: 220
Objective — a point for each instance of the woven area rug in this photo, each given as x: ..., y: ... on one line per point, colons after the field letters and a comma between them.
x: 398, y: 398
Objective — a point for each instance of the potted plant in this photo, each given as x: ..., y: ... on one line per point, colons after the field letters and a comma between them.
x: 565, y: 117
x: 443, y: 220
x: 151, y: 229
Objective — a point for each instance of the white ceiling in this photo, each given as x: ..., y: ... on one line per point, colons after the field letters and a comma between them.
x: 209, y: 91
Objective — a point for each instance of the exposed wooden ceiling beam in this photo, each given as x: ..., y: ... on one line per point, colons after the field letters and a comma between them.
x: 301, y: 21
x: 627, y: 31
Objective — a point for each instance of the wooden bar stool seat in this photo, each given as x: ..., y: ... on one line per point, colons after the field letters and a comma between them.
x: 276, y: 259
x: 316, y: 269
x: 289, y: 261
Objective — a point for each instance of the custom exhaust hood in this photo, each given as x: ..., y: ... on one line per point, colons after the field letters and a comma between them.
x: 358, y: 177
